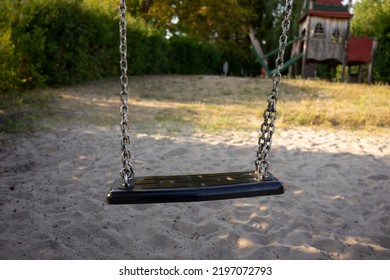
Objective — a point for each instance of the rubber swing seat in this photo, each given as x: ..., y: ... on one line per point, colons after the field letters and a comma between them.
x: 187, y: 188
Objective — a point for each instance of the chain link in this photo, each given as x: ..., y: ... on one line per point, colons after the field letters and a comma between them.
x: 127, y: 173
x: 267, y: 128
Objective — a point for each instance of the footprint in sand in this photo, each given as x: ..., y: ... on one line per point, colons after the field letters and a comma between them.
x: 379, y: 177
x: 177, y: 152
x: 332, y: 165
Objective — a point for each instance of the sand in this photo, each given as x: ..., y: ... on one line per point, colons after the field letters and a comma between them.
x: 53, y: 186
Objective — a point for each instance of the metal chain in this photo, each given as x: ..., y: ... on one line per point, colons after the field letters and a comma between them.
x: 267, y: 128
x: 127, y: 173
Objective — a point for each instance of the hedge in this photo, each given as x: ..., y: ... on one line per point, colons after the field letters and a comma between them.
x: 59, y: 42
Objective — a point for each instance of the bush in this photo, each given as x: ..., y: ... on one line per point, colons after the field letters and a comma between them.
x: 8, y: 65
x: 8, y: 62
x: 59, y: 42
x: 187, y: 56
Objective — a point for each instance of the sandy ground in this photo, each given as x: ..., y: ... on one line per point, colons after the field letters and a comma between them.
x: 53, y: 186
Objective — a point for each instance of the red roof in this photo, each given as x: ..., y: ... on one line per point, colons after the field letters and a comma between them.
x: 331, y: 14
x: 359, y: 49
x: 328, y: 9
x: 329, y: 2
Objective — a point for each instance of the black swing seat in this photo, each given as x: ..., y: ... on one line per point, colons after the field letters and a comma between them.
x: 186, y: 188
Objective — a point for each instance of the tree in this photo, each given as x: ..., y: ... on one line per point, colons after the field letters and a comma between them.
x: 208, y: 20
x: 372, y: 18
x: 225, y: 23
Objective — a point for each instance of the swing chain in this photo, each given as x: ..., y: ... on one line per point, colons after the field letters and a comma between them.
x: 267, y: 128
x: 127, y: 173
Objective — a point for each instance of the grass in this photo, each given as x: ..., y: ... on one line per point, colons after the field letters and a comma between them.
x: 207, y: 104
x: 347, y: 106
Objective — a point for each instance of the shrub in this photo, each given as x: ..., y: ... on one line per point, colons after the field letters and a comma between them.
x: 59, y: 42
x: 8, y: 65
x: 188, y: 56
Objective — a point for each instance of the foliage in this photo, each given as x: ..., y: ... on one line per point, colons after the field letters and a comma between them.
x: 202, y: 19
x: 153, y: 53
x: 58, y: 42
x: 8, y: 66
x: 372, y: 18
x: 183, y: 61
x: 225, y: 23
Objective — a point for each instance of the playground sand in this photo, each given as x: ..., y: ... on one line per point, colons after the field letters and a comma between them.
x: 53, y: 186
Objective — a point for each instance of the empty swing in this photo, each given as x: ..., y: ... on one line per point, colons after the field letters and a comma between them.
x: 197, y: 187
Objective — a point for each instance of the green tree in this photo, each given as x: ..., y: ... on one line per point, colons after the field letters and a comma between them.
x: 210, y: 20
x: 372, y: 18
x: 225, y: 23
